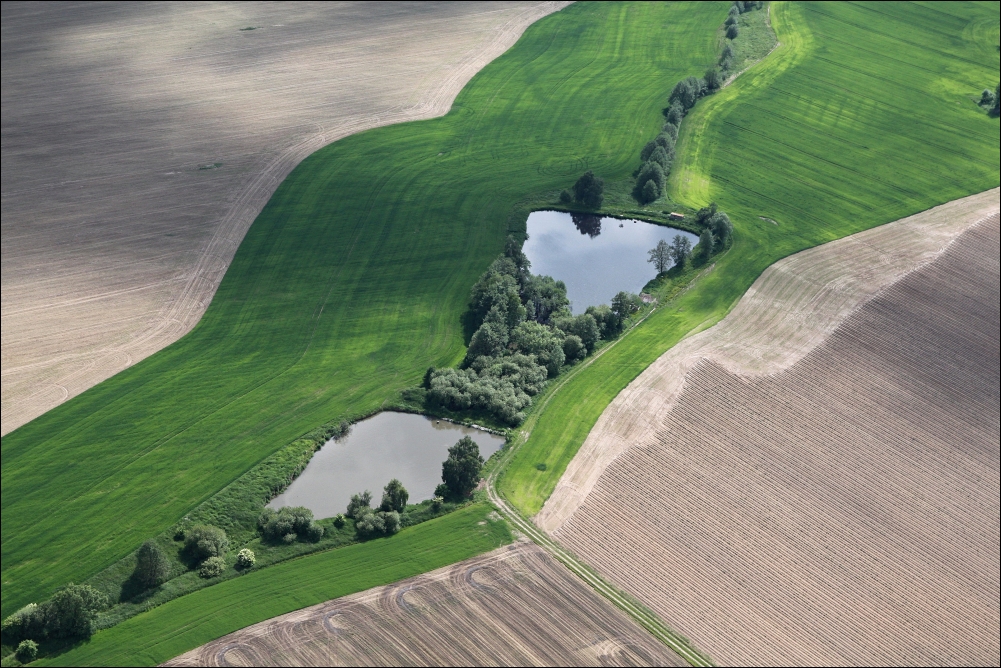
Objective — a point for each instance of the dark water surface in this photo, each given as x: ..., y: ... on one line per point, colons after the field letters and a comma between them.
x: 386, y: 446
x: 596, y: 257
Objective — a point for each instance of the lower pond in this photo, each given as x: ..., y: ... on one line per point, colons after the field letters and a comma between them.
x: 389, y: 445
x: 596, y: 257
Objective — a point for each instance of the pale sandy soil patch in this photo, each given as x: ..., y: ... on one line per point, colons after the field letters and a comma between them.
x: 141, y: 140
x: 821, y: 484
x: 514, y: 606
x: 793, y: 307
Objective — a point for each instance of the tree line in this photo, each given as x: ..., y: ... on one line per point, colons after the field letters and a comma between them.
x: 524, y: 336
x: 657, y: 155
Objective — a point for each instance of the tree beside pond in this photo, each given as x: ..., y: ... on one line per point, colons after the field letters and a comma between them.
x: 394, y: 497
x: 589, y: 190
x: 461, y: 471
x: 660, y: 256
x: 681, y: 250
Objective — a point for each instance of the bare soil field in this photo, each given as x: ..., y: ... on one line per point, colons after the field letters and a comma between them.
x: 831, y: 497
x: 513, y: 606
x: 140, y: 141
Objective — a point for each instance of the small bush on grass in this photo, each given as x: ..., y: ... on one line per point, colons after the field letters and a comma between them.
x: 71, y: 611
x: 27, y: 651
x: 203, y: 541
x: 295, y: 521
x: 245, y: 559
x: 381, y: 523
x: 212, y: 567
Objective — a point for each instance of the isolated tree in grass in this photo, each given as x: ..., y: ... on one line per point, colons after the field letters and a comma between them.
x: 394, y: 497
x: 152, y: 565
x: 660, y: 255
x: 461, y: 471
x: 681, y: 250
x: 706, y: 243
x: 589, y: 190
x: 72, y: 610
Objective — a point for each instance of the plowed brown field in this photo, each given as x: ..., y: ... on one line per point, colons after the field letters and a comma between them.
x: 141, y: 140
x: 514, y: 606
x: 843, y: 509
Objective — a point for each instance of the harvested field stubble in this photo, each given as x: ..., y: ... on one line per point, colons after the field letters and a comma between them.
x: 844, y: 510
x: 514, y: 606
x: 141, y: 140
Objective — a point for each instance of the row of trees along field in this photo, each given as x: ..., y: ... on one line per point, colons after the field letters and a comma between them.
x: 524, y: 335
x: 658, y: 155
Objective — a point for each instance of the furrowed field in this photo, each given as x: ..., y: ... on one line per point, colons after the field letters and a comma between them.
x: 187, y: 622
x: 864, y: 114
x: 347, y: 287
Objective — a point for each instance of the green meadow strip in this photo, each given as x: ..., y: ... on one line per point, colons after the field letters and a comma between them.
x: 864, y: 114
x: 188, y: 622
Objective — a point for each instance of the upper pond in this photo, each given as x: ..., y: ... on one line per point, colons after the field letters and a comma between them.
x: 596, y: 257
x: 389, y: 445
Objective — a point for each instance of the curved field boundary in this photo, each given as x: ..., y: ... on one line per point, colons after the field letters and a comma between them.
x: 790, y: 310
x: 348, y: 286
x: 147, y: 282
x: 822, y: 139
x: 513, y: 606
x: 840, y: 511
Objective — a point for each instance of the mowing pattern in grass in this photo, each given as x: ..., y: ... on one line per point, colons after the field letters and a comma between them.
x: 348, y: 286
x: 186, y: 623
x: 863, y: 115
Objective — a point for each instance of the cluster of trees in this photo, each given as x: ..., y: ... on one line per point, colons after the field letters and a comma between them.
x: 991, y: 101
x: 205, y: 547
x: 70, y: 613
x: 717, y: 230
x: 677, y: 252
x: 589, y: 191
x: 289, y: 524
x: 384, y: 520
x: 524, y: 335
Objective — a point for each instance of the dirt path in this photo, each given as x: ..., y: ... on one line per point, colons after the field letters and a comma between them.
x: 513, y: 606
x: 790, y: 310
x: 140, y: 142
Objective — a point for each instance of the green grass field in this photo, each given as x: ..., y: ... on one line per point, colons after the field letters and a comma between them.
x: 186, y: 623
x: 863, y: 115
x: 347, y: 287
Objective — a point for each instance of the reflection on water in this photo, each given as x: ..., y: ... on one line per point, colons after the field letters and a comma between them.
x: 389, y: 445
x: 594, y: 260
x: 587, y: 223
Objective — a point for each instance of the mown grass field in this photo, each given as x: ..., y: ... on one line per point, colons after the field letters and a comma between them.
x: 864, y: 114
x: 186, y: 623
x: 347, y: 287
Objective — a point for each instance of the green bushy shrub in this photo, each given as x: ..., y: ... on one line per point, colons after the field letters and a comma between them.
x: 212, y: 567
x: 203, y: 541
x: 245, y: 559
x: 27, y: 651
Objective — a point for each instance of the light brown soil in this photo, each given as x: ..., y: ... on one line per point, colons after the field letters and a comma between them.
x: 792, y: 308
x: 114, y: 239
x: 514, y: 606
x: 843, y: 510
